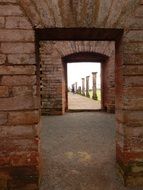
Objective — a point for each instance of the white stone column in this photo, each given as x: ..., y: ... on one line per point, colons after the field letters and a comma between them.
x: 83, y: 86
x: 87, y: 86
x: 94, y: 96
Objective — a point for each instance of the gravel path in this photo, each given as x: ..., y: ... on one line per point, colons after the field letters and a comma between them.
x: 78, y: 152
x: 78, y: 102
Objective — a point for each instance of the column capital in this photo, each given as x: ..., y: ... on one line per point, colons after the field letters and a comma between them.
x: 94, y: 73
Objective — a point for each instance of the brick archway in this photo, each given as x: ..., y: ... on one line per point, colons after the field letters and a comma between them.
x: 107, y: 76
x: 19, y: 101
x: 54, y: 54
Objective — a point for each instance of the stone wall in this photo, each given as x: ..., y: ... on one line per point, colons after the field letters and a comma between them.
x: 19, y: 104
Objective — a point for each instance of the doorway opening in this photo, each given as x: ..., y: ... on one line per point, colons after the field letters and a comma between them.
x: 56, y: 55
x: 84, y: 86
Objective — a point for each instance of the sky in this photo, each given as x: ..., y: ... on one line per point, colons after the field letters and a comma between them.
x: 76, y: 71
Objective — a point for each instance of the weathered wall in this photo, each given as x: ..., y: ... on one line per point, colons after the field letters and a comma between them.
x: 108, y: 84
x: 15, y: 42
x: 19, y: 114
x: 129, y: 104
x: 53, y: 74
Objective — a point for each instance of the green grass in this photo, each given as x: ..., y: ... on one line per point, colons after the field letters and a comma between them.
x: 98, y: 94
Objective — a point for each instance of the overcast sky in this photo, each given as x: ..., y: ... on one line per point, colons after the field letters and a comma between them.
x: 76, y: 71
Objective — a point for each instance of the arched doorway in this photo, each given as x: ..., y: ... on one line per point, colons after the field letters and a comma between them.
x: 106, y: 64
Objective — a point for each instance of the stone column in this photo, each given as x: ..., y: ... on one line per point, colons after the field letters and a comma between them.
x: 73, y: 88
x: 87, y: 86
x: 76, y: 87
x: 94, y: 96
x: 79, y: 89
x: 83, y: 86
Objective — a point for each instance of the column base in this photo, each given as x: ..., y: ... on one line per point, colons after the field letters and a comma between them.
x: 94, y: 97
x: 87, y: 95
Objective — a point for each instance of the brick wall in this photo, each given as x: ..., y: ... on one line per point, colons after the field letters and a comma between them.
x: 108, y: 84
x: 19, y: 104
x: 51, y: 80
x: 18, y: 99
x: 53, y: 74
x: 129, y: 105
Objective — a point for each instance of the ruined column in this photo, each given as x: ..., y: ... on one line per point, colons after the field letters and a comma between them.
x: 76, y: 87
x: 87, y: 87
x: 73, y: 89
x: 94, y: 96
x: 79, y: 90
x: 83, y: 86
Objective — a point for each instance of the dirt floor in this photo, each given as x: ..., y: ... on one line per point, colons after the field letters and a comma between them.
x: 78, y: 152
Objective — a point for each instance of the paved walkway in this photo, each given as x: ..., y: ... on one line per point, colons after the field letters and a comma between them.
x: 78, y: 151
x: 78, y: 102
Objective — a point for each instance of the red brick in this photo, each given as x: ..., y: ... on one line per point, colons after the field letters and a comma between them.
x: 24, y: 59
x: 133, y: 103
x: 19, y: 103
x: 21, y: 70
x: 24, y: 158
x: 2, y: 22
x: 133, y: 70
x: 18, y: 22
x: 133, y: 48
x: 4, y: 91
x: 3, y: 118
x: 134, y: 181
x: 133, y: 59
x: 130, y: 118
x: 20, y: 131
x: 134, y: 143
x: 139, y: 12
x: 26, y: 5
x: 16, y: 35
x: 18, y: 80
x: 120, y: 139
x: 133, y: 81
x: 2, y: 59
x: 17, y: 48
x: 23, y: 118
x: 133, y: 92
x: 134, y: 36
x: 13, y: 145
x: 4, y: 160
x: 24, y: 90
x: 134, y: 131
x: 10, y: 10
x: 8, y: 1
x: 134, y: 23
x: 135, y: 119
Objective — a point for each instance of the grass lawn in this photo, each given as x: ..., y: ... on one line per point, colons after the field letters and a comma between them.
x: 98, y: 94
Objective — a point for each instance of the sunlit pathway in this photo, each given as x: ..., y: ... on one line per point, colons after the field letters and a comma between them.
x: 78, y: 102
x: 78, y: 152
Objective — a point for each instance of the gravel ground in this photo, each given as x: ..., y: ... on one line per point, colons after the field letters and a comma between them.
x: 78, y: 102
x: 78, y: 152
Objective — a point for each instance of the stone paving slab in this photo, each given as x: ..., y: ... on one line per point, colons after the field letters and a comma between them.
x: 78, y: 102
